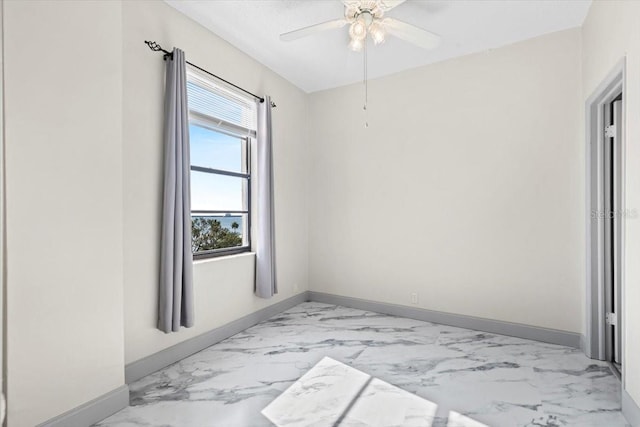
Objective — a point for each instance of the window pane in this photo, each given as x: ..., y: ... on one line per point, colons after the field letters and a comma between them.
x: 217, y: 231
x: 213, y: 192
x: 215, y: 150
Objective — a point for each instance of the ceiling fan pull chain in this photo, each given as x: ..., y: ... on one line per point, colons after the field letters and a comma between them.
x: 366, y: 87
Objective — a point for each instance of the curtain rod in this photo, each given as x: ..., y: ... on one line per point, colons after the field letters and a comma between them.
x: 157, y: 48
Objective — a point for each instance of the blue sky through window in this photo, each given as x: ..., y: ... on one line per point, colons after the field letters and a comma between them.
x: 215, y: 150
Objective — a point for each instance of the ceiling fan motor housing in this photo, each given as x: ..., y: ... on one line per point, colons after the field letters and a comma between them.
x: 365, y: 10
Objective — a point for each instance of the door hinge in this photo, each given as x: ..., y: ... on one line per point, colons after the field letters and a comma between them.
x: 612, y: 319
x: 610, y: 131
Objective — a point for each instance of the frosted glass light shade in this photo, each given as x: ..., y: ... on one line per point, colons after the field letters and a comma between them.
x: 377, y: 33
x: 358, y: 30
x: 356, y: 45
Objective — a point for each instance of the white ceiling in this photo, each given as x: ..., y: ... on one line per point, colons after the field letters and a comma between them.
x: 323, y: 61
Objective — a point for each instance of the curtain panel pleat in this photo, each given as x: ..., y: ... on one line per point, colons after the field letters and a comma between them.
x: 265, y: 286
x: 175, y: 302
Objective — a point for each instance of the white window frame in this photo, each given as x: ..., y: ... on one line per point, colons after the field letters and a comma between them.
x: 247, y: 137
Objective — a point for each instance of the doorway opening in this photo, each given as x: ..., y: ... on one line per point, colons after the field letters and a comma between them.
x: 605, y: 228
x: 612, y: 231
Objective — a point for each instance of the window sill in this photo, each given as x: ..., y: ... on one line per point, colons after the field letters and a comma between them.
x: 223, y: 257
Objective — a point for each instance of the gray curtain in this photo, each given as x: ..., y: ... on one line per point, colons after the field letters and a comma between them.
x: 175, y: 304
x: 265, y: 286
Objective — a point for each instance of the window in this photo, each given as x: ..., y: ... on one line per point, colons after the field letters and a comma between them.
x: 222, y: 124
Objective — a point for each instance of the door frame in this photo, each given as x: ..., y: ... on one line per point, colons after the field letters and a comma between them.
x: 3, y: 252
x: 595, y: 332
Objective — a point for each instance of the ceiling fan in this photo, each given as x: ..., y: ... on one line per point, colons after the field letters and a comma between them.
x: 366, y: 17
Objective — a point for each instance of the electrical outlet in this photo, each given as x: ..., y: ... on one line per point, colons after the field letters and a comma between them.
x: 414, y: 298
x: 296, y: 287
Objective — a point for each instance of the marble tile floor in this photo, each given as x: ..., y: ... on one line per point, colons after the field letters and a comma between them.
x: 492, y: 379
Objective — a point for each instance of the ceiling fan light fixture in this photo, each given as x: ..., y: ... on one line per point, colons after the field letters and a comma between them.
x: 356, y: 45
x: 377, y: 33
x: 351, y: 12
x: 358, y: 30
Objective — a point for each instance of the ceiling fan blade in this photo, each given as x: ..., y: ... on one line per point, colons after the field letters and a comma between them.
x: 312, y: 29
x: 408, y: 32
x: 390, y: 4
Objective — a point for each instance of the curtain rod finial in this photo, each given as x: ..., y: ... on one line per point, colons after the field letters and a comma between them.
x: 154, y: 46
